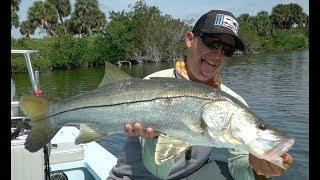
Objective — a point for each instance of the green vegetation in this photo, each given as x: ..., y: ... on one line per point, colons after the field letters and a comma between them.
x: 285, y: 29
x: 14, y: 15
x: 84, y: 38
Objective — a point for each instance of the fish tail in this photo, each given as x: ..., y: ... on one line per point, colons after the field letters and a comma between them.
x: 43, y: 129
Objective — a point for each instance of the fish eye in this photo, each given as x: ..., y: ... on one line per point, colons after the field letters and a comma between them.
x: 262, y: 126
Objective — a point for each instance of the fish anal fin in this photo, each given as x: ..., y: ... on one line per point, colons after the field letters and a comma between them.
x: 88, y: 134
x: 112, y: 73
x: 168, y: 148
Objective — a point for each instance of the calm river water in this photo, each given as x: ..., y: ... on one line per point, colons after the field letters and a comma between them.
x: 275, y: 85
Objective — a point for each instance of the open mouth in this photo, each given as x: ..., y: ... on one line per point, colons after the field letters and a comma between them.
x: 209, y: 62
x: 207, y: 67
x: 281, y: 148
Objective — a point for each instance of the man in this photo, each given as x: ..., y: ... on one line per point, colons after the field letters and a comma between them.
x: 211, y: 42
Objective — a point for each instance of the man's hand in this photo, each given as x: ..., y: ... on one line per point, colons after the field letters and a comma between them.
x: 267, y: 169
x: 136, y: 130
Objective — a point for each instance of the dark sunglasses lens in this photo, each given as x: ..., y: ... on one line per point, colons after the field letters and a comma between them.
x: 214, y: 44
x: 228, y: 50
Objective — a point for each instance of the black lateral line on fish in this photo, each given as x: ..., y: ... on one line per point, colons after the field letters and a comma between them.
x: 107, y: 105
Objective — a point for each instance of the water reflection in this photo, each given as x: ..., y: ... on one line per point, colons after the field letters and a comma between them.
x: 276, y: 86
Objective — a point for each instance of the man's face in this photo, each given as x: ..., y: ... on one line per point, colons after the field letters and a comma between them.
x: 204, y: 62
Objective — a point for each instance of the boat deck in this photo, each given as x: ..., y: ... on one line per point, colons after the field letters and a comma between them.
x: 79, y: 162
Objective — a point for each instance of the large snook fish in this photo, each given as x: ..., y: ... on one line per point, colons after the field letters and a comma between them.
x: 184, y: 112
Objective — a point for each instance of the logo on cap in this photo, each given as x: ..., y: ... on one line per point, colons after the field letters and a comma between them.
x: 227, y: 21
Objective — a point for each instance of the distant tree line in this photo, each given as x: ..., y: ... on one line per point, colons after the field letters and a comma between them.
x: 286, y: 28
x: 83, y: 37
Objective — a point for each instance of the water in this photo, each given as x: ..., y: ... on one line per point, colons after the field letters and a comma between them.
x: 275, y: 85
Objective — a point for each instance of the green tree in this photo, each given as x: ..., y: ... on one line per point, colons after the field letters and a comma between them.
x: 144, y: 34
x: 147, y: 44
x: 281, y: 16
x: 157, y: 36
x: 296, y: 14
x: 285, y: 15
x: 250, y: 37
x: 119, y: 39
x: 27, y: 28
x: 263, y: 23
x: 14, y: 16
x: 86, y: 17
x: 305, y: 19
x: 43, y: 14
x: 247, y: 19
x: 64, y: 9
x: 244, y: 17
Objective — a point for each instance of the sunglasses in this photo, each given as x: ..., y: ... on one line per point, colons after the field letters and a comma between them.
x: 215, y: 43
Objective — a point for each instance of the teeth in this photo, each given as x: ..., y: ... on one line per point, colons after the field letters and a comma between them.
x: 211, y: 63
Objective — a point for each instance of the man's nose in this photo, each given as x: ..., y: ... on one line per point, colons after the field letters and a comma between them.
x: 217, y: 49
x: 217, y: 52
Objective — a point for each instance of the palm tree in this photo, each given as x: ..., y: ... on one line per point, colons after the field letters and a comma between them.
x: 281, y: 16
x: 27, y: 28
x: 14, y: 16
x: 87, y: 16
x: 43, y: 14
x: 64, y: 9
x: 285, y: 15
x: 296, y: 13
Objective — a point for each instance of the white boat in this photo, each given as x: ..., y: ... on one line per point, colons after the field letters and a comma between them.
x: 60, y: 159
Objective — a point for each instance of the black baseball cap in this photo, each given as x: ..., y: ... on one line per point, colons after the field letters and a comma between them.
x: 218, y: 22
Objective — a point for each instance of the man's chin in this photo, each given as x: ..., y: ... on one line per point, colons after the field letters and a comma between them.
x: 202, y: 78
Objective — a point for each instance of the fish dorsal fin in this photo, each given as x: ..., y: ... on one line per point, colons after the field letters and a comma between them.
x: 112, y: 73
x: 87, y: 134
x: 196, y: 126
x: 168, y: 148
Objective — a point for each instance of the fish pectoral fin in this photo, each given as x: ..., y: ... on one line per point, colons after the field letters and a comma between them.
x: 168, y: 148
x: 112, y: 73
x: 87, y: 134
x: 217, y: 114
x: 196, y: 126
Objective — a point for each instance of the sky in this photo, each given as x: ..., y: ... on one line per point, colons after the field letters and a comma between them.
x: 183, y: 9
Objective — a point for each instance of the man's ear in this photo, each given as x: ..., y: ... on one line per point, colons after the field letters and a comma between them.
x: 189, y: 38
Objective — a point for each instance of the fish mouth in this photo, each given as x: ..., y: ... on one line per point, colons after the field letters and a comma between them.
x: 283, y: 147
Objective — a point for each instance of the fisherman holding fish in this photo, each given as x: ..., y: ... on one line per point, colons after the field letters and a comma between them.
x: 212, y: 41
x: 187, y: 112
